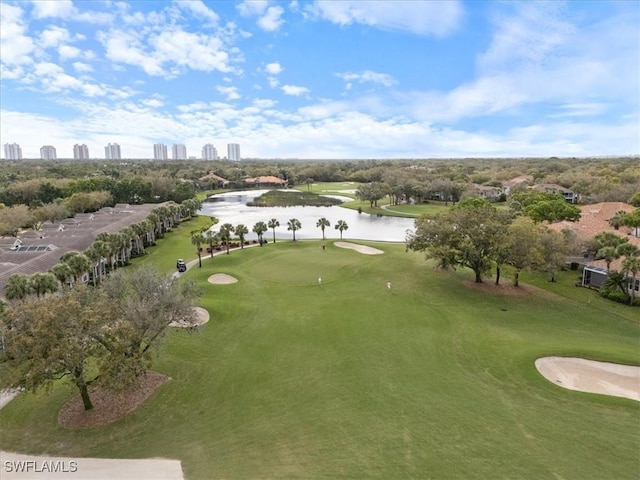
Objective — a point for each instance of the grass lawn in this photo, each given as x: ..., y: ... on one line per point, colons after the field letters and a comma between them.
x: 432, y: 379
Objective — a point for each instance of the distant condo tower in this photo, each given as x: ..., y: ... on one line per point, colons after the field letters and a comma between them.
x: 12, y: 151
x: 233, y: 152
x: 179, y: 151
x: 80, y: 152
x: 48, y: 152
x: 160, y: 151
x: 112, y: 152
x: 209, y: 152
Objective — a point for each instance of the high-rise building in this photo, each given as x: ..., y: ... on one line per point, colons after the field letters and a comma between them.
x: 160, y: 151
x: 112, y: 152
x: 209, y: 152
x: 80, y: 152
x: 12, y: 151
x: 233, y: 152
x: 179, y: 151
x: 48, y: 152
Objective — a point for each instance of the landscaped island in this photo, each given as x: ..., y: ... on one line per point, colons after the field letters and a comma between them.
x: 292, y: 198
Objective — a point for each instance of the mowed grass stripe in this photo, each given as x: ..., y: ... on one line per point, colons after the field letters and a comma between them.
x: 433, y: 379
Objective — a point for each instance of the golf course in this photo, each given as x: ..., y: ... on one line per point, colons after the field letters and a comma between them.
x: 349, y: 379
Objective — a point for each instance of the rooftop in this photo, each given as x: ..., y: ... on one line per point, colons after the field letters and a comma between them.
x: 77, y: 234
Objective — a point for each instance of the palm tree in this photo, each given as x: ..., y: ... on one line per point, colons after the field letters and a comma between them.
x: 43, y: 283
x: 259, y: 229
x: 94, y: 255
x: 609, y: 254
x: 225, y: 234
x: 62, y: 272
x: 322, y: 223
x: 241, y: 231
x: 273, y: 223
x: 293, y: 225
x: 211, y: 238
x: 197, y: 239
x: 617, y: 220
x: 631, y: 267
x: 341, y: 226
x: 78, y: 262
x: 17, y: 287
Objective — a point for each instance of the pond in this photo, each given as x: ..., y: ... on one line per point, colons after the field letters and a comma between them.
x: 231, y: 207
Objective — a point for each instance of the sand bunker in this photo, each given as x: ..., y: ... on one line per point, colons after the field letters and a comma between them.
x: 222, y: 279
x: 359, y: 248
x: 591, y: 376
x: 94, y: 468
x: 202, y: 317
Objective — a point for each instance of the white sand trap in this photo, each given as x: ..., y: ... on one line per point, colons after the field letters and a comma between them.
x: 591, y: 376
x: 202, y: 317
x: 359, y: 248
x: 222, y: 279
x: 73, y: 468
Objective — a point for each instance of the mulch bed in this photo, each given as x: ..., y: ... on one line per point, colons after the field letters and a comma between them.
x: 109, y: 406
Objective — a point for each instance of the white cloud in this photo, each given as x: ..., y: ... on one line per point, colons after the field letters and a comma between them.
x: 273, y: 68
x: 420, y: 17
x: 368, y: 76
x: 57, y: 9
x: 249, y: 8
x: 165, y: 52
x: 200, y: 10
x: 66, y: 10
x: 82, y: 67
x: 54, y: 36
x: 273, y: 82
x: 272, y: 20
x: 16, y: 46
x: 67, y: 52
x: 230, y: 92
x: 294, y: 90
x: 579, y: 110
x: 153, y: 102
x: 528, y: 36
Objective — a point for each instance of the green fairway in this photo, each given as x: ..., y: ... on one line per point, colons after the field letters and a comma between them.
x: 348, y: 380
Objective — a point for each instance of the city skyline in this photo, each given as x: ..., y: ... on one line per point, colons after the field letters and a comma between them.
x: 112, y: 151
x: 325, y: 79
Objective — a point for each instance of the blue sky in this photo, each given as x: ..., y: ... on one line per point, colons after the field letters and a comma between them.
x: 323, y: 79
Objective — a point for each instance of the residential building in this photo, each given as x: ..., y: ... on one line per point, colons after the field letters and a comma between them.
x: 48, y: 152
x: 266, y: 181
x: 233, y: 152
x: 160, y: 151
x: 569, y: 195
x: 112, y: 152
x: 209, y: 152
x: 80, y: 152
x: 179, y: 151
x: 12, y: 151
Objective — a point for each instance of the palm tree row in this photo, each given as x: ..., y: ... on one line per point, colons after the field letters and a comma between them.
x: 108, y: 252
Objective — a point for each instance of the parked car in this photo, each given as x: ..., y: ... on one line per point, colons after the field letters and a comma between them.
x: 181, y: 266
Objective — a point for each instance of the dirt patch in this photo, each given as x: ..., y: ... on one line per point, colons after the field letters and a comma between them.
x: 202, y: 317
x: 221, y: 279
x: 591, y: 376
x: 109, y: 406
x: 359, y: 248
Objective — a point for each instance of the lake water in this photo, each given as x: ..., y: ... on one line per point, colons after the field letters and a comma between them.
x: 231, y: 207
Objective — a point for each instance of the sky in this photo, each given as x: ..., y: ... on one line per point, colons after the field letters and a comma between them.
x: 323, y: 79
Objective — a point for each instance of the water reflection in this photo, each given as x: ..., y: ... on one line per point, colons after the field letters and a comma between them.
x: 230, y: 207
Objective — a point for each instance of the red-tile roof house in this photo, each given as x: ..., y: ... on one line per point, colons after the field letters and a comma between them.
x: 266, y: 181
